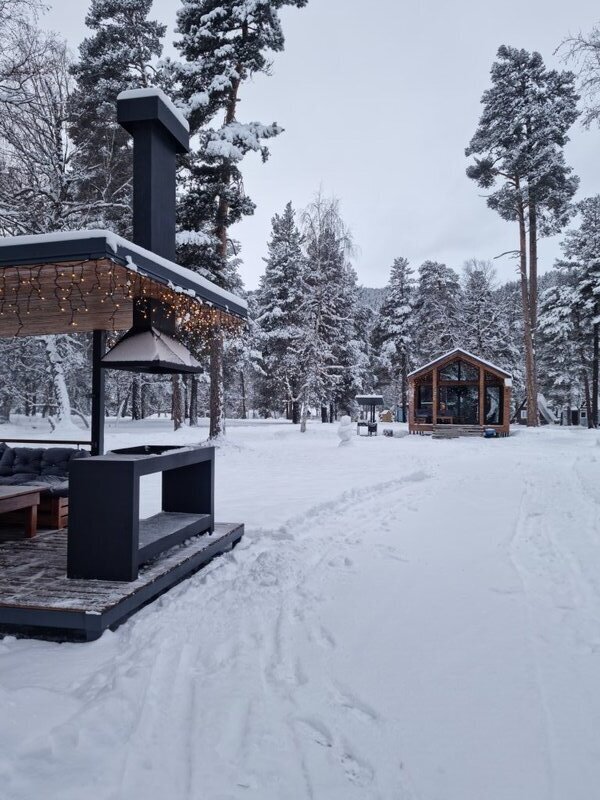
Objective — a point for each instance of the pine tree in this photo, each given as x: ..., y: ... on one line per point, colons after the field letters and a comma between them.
x: 349, y: 348
x: 485, y: 328
x: 279, y: 315
x: 222, y: 46
x: 572, y: 310
x: 327, y: 343
x: 519, y: 143
x: 563, y: 357
x: 394, y: 333
x: 437, y: 310
x: 120, y: 55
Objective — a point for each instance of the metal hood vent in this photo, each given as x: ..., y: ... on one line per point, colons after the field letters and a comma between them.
x: 150, y: 346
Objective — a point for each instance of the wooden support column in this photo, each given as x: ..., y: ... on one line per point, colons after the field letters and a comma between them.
x: 98, y: 398
x: 482, y: 396
x: 434, y: 398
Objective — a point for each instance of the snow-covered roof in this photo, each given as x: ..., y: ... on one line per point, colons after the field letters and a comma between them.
x: 459, y: 352
x: 136, y: 94
x: 369, y: 399
x: 65, y: 246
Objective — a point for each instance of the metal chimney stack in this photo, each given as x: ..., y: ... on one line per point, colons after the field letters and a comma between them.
x: 159, y: 133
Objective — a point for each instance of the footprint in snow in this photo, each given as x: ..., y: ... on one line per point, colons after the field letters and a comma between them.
x: 357, y: 772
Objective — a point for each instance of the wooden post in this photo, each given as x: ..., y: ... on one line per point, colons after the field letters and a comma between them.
x: 482, y: 396
x: 98, y: 399
x: 434, y: 398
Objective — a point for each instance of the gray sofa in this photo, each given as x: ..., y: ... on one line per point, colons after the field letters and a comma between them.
x: 46, y: 469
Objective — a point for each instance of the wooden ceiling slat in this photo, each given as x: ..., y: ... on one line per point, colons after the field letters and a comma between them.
x: 79, y: 297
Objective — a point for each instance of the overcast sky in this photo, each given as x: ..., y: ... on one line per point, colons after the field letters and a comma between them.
x: 378, y: 101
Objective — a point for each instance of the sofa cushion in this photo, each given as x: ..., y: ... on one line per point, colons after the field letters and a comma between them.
x: 27, y: 460
x: 7, y: 457
x: 20, y: 479
x: 50, y: 485
x: 55, y: 460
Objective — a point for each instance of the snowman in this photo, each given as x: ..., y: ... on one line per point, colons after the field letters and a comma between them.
x: 345, y: 431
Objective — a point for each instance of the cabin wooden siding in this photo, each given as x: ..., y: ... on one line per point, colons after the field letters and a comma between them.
x: 416, y: 378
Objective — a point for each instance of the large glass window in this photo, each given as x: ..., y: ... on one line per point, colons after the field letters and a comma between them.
x: 493, y: 405
x: 458, y: 371
x: 424, y: 402
x: 459, y: 405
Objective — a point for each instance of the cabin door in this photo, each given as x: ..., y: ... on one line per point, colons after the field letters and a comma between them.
x: 460, y: 403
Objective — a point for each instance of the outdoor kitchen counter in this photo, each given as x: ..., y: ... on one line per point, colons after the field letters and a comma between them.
x: 106, y: 538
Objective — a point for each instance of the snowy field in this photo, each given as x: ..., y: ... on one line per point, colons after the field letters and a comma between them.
x: 406, y: 619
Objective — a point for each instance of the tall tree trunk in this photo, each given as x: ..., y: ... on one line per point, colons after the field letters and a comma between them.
x: 295, y: 412
x: 595, y: 370
x: 194, y: 402
x: 243, y: 386
x: 217, y: 410
x: 5, y: 409
x: 136, y: 397
x: 59, y: 382
x: 217, y: 407
x: 533, y: 289
x: 588, y: 398
x: 303, y: 416
x: 532, y: 409
x: 403, y: 387
x: 178, y: 412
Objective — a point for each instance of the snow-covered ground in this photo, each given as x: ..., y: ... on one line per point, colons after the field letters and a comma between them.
x: 406, y: 619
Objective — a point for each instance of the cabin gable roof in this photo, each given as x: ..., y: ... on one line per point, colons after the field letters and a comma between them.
x: 466, y: 356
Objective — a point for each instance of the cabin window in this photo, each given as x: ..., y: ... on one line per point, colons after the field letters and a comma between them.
x: 424, y: 402
x: 493, y: 405
x: 459, y: 405
x: 458, y: 371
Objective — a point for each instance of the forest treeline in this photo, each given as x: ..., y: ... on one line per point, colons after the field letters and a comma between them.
x: 314, y: 337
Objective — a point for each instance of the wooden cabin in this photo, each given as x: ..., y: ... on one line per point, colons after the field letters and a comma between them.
x: 462, y: 390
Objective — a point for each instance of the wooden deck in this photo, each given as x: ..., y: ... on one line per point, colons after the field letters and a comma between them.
x: 37, y: 599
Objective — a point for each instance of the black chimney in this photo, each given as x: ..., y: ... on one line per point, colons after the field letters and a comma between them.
x: 159, y: 132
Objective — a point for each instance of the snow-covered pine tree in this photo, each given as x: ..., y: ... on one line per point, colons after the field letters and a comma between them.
x: 394, y: 332
x: 328, y: 344
x: 222, y: 47
x: 483, y: 330
x: 120, y: 54
x: 437, y: 310
x: 563, y: 356
x: 519, y: 144
x: 572, y: 310
x: 350, y: 348
x: 279, y: 316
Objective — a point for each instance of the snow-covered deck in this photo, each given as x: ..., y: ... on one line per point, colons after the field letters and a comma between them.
x: 37, y: 598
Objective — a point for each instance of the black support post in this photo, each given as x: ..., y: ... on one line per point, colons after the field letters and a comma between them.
x: 98, y: 398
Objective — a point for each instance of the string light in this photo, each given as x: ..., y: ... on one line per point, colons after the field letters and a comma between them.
x: 84, y: 286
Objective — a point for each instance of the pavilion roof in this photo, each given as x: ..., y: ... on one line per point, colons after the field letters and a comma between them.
x: 87, y: 279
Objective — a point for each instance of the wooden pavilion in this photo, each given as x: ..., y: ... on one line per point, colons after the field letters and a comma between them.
x: 457, y: 391
x: 111, y: 563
